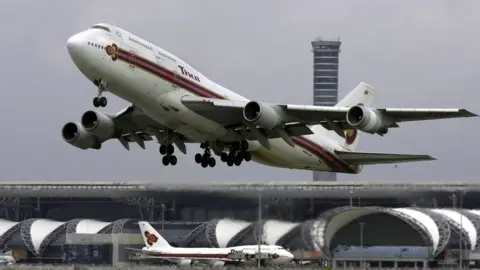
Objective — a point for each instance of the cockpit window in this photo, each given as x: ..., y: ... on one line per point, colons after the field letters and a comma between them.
x: 101, y: 27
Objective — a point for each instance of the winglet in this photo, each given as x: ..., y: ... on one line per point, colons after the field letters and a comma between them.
x: 467, y: 113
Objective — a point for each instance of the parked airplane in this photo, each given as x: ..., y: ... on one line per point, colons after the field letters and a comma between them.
x: 176, y: 104
x: 7, y: 258
x: 157, y: 247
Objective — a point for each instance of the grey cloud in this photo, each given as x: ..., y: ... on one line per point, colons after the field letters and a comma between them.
x: 416, y: 53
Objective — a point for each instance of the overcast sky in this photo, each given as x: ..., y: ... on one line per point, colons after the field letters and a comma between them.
x: 415, y: 53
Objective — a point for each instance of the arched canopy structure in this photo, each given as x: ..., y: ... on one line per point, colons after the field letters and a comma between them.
x: 274, y: 230
x: 6, y: 225
x: 462, y: 224
x: 443, y: 228
x: 35, y: 231
x: 332, y: 221
x: 433, y: 227
x: 227, y: 229
x: 90, y: 226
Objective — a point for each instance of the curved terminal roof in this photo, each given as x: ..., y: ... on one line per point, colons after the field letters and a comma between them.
x: 275, y: 229
x: 226, y: 229
x: 316, y: 235
x: 461, y: 222
x: 90, y: 226
x: 425, y: 220
x: 39, y: 230
x: 6, y: 225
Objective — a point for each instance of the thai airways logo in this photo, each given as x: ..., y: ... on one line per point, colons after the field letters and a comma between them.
x: 186, y: 73
x: 350, y: 136
x: 151, y: 238
x: 112, y: 51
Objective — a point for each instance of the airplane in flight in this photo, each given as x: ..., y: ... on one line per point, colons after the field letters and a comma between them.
x: 156, y: 247
x: 176, y: 104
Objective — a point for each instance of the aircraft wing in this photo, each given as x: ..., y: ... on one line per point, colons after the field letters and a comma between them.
x: 359, y: 158
x: 133, y: 125
x: 230, y: 114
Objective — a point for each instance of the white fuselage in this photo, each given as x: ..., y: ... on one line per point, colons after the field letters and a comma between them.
x: 221, y: 254
x: 154, y: 79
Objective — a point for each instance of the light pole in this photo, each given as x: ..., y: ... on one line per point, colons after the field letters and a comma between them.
x: 460, y: 206
x: 351, y: 198
x: 362, y: 224
x: 260, y: 229
x: 460, y: 234
x: 163, y: 216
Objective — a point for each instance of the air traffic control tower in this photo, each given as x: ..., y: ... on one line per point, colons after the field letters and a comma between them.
x: 325, y: 83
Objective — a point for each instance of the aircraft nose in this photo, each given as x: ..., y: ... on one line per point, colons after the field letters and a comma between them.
x: 74, y: 45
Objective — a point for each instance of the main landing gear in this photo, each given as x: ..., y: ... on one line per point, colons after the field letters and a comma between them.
x: 237, y: 154
x: 168, y: 156
x: 99, y: 100
x: 206, y: 159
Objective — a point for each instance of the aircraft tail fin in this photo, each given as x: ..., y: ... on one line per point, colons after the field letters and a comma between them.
x: 151, y: 237
x: 363, y: 94
x: 359, y: 158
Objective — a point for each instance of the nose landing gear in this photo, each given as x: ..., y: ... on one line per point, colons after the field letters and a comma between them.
x: 99, y: 100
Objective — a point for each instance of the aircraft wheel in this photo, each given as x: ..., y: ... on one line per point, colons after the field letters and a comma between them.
x: 96, y: 102
x: 239, y: 156
x: 173, y: 160
x: 248, y: 156
x: 229, y: 162
x: 198, y: 158
x: 102, y: 101
x: 163, y: 149
x: 223, y: 157
x: 238, y: 162
x: 165, y: 160
x: 170, y: 149
x: 204, y: 163
x: 211, y: 162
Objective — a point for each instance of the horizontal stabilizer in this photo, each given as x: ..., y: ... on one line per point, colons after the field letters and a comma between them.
x: 359, y: 158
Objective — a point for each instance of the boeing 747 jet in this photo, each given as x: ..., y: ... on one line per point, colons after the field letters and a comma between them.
x: 175, y: 104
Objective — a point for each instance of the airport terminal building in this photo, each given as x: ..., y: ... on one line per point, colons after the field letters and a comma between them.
x: 345, y: 222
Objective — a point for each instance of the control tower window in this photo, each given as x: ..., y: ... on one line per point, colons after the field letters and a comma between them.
x: 100, y: 27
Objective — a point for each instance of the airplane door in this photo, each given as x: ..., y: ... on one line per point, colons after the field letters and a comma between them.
x: 133, y: 54
x: 160, y: 57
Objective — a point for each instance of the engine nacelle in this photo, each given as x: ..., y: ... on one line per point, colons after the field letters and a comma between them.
x: 98, y: 124
x: 217, y: 263
x: 185, y: 262
x: 76, y: 135
x: 262, y: 115
x: 366, y: 119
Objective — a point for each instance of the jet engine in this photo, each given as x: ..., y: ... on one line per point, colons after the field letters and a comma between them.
x: 217, y: 263
x: 185, y: 262
x: 98, y: 124
x: 261, y: 114
x: 76, y: 135
x: 366, y: 119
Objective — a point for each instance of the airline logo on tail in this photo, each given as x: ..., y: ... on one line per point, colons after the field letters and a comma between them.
x: 350, y: 136
x: 151, y: 238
